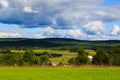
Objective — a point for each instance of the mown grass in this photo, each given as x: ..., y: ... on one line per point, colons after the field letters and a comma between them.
x: 59, y: 74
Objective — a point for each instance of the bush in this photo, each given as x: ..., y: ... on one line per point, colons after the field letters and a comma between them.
x: 114, y: 59
x: 101, y: 58
x: 71, y: 61
x: 81, y: 59
x: 29, y: 58
x: 114, y: 56
x: 44, y: 59
x: 10, y: 59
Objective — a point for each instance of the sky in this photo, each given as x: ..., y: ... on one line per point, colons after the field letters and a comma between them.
x: 77, y: 19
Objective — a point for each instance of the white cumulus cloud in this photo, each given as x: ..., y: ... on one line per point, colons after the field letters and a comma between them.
x: 9, y: 35
x: 4, y: 3
x: 29, y: 10
x: 74, y: 34
x: 116, y: 30
x: 37, y: 35
x: 95, y: 27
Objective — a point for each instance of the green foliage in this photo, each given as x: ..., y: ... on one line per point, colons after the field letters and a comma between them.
x: 114, y: 56
x: 114, y: 50
x: 6, y: 51
x: 71, y: 61
x: 116, y: 60
x: 29, y: 57
x: 81, y: 59
x: 10, y: 59
x: 75, y: 49
x: 64, y: 44
x: 44, y: 59
x: 101, y: 58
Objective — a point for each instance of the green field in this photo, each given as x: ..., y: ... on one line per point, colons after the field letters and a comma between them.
x: 46, y: 50
x: 66, y: 55
x: 59, y: 74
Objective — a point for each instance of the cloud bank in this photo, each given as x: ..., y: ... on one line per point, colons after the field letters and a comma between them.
x: 9, y: 35
x: 80, y: 19
x: 59, y: 14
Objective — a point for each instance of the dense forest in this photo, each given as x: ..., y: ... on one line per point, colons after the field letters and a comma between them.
x: 55, y: 43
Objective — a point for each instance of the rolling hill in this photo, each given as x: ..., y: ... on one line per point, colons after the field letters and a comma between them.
x: 55, y: 43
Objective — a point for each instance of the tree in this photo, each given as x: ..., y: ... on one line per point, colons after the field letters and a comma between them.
x: 114, y: 56
x: 101, y: 58
x: 81, y: 59
x: 44, y: 59
x: 71, y: 61
x: 29, y: 57
x: 10, y: 59
x: 75, y: 49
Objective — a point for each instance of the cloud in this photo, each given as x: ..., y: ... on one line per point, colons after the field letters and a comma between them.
x: 4, y: 4
x: 49, y: 32
x: 81, y: 19
x: 37, y: 35
x: 77, y: 34
x: 94, y: 28
x: 116, y: 30
x: 29, y: 10
x: 59, y: 14
x: 9, y: 35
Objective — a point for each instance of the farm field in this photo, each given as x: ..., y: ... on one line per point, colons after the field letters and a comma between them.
x: 48, y: 50
x: 59, y: 74
x: 54, y: 51
x: 66, y: 55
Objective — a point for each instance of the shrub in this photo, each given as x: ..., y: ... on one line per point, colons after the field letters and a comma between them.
x: 29, y: 58
x: 10, y: 59
x: 101, y: 58
x: 81, y: 59
x: 44, y: 59
x: 71, y: 61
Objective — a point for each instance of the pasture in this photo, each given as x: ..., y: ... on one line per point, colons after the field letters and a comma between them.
x: 66, y: 55
x: 59, y: 73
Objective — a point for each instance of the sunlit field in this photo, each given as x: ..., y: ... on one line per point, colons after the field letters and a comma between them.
x: 66, y: 55
x: 59, y: 74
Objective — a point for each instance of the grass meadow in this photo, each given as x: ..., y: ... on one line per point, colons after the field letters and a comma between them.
x: 59, y: 73
x: 66, y: 55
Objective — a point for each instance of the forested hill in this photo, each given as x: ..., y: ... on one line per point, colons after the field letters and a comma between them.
x: 55, y: 42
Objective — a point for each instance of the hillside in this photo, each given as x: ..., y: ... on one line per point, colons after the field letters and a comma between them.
x: 55, y: 42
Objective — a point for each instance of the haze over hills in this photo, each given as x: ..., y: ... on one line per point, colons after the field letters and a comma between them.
x: 56, y: 42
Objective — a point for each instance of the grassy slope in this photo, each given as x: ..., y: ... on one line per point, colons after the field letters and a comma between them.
x: 59, y: 74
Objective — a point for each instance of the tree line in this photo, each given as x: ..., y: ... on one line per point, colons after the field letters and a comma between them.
x: 109, y: 57
x: 25, y: 59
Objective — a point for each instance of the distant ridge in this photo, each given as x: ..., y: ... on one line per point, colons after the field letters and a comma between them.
x: 55, y: 42
x: 70, y: 39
